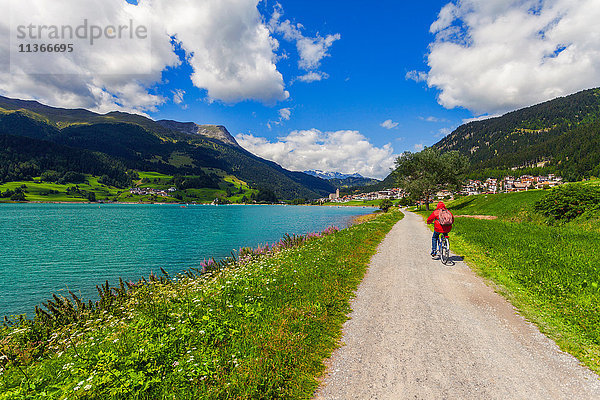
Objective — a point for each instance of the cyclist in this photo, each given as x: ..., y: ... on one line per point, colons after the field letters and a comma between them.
x: 443, y: 224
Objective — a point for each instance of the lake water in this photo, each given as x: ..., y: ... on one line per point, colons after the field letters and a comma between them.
x: 45, y: 248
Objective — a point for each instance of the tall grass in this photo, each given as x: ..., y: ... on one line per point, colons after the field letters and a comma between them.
x: 257, y: 327
x: 551, y: 273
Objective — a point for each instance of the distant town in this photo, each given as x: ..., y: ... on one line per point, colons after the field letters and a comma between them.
x: 150, y: 191
x: 470, y: 188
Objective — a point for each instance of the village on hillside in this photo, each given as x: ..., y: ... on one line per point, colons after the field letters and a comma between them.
x: 470, y: 188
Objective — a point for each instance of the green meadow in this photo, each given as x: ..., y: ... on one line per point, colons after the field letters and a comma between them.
x: 54, y: 192
x: 550, y: 270
x: 229, y: 188
x: 258, y: 327
x: 355, y: 203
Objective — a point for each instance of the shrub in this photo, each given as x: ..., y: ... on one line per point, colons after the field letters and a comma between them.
x: 72, y: 177
x: 19, y: 196
x: 568, y: 202
x: 50, y: 176
x: 385, y: 205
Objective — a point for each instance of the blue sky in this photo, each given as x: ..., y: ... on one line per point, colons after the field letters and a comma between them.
x: 341, y: 86
x: 380, y: 42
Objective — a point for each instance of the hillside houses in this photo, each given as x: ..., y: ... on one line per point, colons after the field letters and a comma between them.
x: 510, y: 184
x: 470, y: 187
x: 394, y: 193
x: 151, y: 191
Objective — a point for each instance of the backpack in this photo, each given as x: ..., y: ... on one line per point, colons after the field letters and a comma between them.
x: 445, y: 217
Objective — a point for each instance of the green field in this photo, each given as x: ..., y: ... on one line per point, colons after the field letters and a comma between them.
x: 503, y: 205
x: 551, y: 273
x: 44, y: 191
x: 354, y: 203
x: 230, y: 188
x: 257, y: 329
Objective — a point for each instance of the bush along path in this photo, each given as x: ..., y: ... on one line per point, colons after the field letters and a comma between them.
x: 255, y: 327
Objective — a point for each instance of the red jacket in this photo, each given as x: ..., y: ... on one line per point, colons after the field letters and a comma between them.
x: 434, y: 217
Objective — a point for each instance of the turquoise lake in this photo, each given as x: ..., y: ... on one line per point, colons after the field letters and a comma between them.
x: 46, y: 248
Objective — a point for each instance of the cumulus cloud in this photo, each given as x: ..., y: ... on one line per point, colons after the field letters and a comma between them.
x: 419, y: 147
x: 341, y: 151
x: 389, y: 124
x: 311, y: 50
x: 491, y: 56
x: 228, y: 46
x: 226, y: 42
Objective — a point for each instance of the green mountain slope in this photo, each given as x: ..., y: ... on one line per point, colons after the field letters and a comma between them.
x: 560, y: 135
x: 140, y: 143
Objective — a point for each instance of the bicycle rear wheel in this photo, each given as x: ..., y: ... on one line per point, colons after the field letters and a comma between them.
x: 445, y: 251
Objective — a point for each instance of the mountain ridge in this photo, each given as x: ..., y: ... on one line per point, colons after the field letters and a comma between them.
x: 141, y: 143
x: 331, y: 175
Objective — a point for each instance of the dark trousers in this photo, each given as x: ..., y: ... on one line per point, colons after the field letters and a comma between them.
x: 434, y: 241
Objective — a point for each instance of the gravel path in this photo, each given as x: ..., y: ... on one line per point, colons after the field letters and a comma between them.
x: 422, y: 330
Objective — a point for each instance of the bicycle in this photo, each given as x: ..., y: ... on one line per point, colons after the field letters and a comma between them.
x: 444, y: 248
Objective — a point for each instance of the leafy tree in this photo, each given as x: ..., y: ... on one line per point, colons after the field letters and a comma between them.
x: 385, y: 205
x: 299, y: 201
x: 18, y: 196
x: 50, y: 176
x: 72, y: 177
x: 429, y: 171
x: 266, y: 195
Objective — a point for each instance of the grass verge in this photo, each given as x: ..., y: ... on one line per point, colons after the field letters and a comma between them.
x: 257, y: 329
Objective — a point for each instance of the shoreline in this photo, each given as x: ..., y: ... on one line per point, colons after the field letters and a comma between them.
x: 182, y: 204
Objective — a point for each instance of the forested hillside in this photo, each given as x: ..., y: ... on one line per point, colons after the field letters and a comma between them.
x: 119, y: 141
x: 561, y: 136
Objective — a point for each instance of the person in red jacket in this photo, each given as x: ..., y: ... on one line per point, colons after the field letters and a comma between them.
x: 438, y: 227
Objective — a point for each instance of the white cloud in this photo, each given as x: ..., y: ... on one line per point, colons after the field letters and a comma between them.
x: 285, y: 114
x: 491, y: 56
x: 433, y: 119
x: 311, y: 50
x: 340, y: 151
x: 417, y: 76
x: 389, y: 124
x: 178, y: 96
x: 313, y: 76
x: 443, y: 132
x: 419, y: 147
x: 227, y: 44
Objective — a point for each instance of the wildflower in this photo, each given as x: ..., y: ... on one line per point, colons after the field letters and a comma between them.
x: 176, y: 363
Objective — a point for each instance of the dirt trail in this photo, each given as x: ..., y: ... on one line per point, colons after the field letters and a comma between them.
x: 422, y: 330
